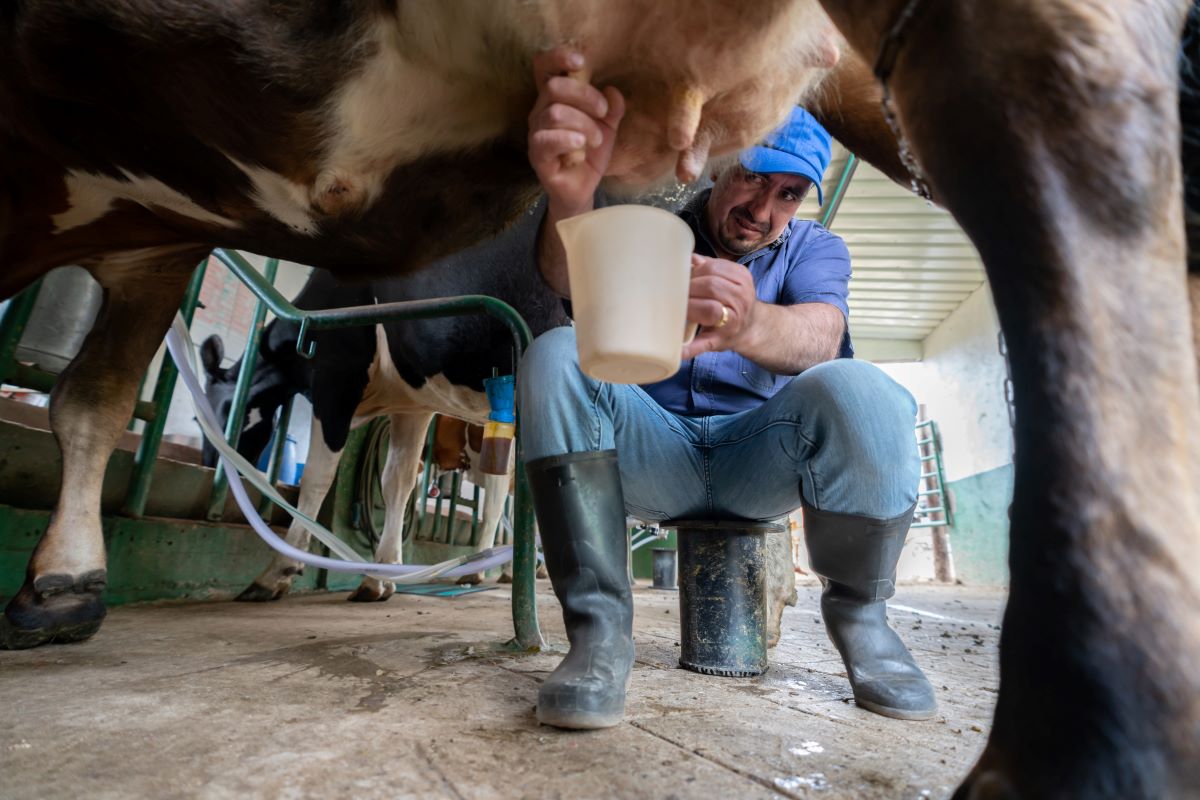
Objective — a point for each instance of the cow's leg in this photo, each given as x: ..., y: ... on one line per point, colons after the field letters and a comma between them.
x: 781, y: 581
x: 90, y: 406
x: 1050, y: 130
x: 405, y: 444
x: 1194, y: 292
x: 319, y: 471
x: 495, y: 492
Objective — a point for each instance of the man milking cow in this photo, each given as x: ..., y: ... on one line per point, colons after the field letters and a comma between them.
x: 767, y: 413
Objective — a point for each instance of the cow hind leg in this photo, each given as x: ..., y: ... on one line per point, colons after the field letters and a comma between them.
x: 319, y: 470
x: 495, y: 492
x: 1050, y: 130
x: 781, y: 581
x: 405, y: 444
x: 90, y: 406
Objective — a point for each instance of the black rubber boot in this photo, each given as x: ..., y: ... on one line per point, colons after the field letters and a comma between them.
x: 581, y: 515
x: 856, y: 559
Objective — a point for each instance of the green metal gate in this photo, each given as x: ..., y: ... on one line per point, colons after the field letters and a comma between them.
x: 154, y: 412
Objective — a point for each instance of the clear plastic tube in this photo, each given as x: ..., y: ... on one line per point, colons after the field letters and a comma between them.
x: 235, y: 466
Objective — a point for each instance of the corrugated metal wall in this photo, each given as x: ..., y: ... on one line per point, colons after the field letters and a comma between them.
x: 912, y: 264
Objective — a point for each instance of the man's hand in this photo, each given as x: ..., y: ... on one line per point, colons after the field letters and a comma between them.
x: 571, y: 115
x: 785, y: 340
x: 720, y: 290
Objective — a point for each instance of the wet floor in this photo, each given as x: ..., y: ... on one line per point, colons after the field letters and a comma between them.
x: 313, y: 696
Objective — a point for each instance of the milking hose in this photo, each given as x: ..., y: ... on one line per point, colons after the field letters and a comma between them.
x: 179, y: 343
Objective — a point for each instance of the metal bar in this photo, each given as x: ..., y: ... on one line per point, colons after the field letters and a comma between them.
x: 925, y: 441
x: 241, y: 392
x: 12, y: 325
x: 506, y: 538
x: 31, y: 378
x: 455, y: 488
x: 528, y: 635
x: 41, y: 381
x: 133, y: 420
x: 839, y: 191
x: 437, y: 509
x: 164, y: 388
x: 381, y: 312
x: 273, y: 466
x: 475, y: 518
x: 524, y: 600
x: 427, y: 470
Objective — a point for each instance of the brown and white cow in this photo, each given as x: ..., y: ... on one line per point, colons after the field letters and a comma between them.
x: 1050, y: 128
x: 364, y: 137
x: 373, y: 137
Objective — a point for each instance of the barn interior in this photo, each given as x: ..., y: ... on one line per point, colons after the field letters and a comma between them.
x: 184, y: 693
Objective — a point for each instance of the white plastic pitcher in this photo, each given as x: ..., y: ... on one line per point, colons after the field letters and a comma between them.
x: 629, y: 268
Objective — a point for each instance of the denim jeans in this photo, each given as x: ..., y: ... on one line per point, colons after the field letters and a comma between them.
x: 839, y: 435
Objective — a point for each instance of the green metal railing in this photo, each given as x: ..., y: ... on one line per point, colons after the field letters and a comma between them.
x: 839, y: 191
x: 241, y: 391
x: 524, y: 606
x: 16, y: 317
x: 164, y: 389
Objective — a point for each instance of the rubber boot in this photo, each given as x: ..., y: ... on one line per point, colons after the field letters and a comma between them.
x: 581, y: 515
x: 856, y: 559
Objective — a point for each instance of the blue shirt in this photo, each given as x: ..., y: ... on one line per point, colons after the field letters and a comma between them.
x: 806, y: 264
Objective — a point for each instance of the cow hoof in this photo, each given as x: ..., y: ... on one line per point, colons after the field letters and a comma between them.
x: 475, y: 578
x: 257, y: 593
x: 54, y: 609
x: 540, y: 574
x: 372, y: 591
x: 986, y: 785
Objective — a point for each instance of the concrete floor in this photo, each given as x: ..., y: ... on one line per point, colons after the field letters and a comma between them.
x: 315, y: 697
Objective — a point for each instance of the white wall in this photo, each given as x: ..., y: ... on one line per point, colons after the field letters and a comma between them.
x: 961, y: 383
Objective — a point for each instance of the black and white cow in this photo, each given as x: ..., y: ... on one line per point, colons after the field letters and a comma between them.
x: 407, y: 369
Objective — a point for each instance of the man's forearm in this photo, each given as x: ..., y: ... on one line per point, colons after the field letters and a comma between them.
x: 552, y: 257
x: 789, y: 339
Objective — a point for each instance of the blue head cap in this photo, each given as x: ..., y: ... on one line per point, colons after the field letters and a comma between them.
x: 800, y: 146
x: 500, y: 398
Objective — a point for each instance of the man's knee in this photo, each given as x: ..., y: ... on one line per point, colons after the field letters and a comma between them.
x: 549, y: 371
x: 848, y: 398
x: 552, y: 356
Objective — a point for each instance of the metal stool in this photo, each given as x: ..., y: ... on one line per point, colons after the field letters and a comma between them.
x: 723, y: 595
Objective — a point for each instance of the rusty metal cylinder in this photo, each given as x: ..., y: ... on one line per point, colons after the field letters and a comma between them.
x: 723, y: 596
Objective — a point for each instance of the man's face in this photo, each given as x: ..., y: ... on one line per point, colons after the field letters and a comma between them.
x: 748, y: 210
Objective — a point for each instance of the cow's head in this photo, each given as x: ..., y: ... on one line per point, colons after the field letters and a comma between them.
x: 275, y: 382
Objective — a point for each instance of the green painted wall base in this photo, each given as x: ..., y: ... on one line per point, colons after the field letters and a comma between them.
x: 151, y: 559
x: 643, y: 557
x: 979, y: 538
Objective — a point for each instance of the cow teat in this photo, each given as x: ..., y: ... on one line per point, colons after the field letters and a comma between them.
x: 335, y: 193
x: 687, y: 104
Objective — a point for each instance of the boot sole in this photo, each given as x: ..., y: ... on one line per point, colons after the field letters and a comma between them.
x: 897, y: 713
x: 578, y: 720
